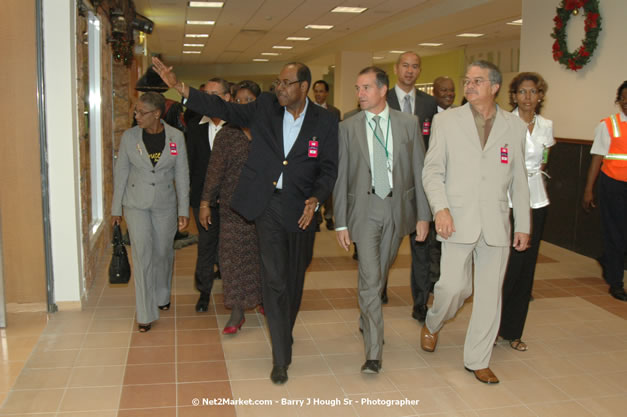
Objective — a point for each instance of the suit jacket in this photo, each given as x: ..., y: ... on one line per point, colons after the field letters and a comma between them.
x: 335, y: 111
x: 198, y: 153
x: 425, y: 107
x: 304, y: 176
x: 140, y: 185
x: 354, y: 181
x: 473, y: 182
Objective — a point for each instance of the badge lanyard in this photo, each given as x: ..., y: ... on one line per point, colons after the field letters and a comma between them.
x: 385, y: 146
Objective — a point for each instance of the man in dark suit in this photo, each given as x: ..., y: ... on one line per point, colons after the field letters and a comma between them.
x: 408, y: 99
x: 379, y: 197
x: 201, y: 132
x: 321, y: 93
x: 291, y: 169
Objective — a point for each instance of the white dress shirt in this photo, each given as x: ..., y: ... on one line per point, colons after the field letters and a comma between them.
x: 400, y: 94
x: 291, y: 129
x: 212, y: 129
x: 386, y: 128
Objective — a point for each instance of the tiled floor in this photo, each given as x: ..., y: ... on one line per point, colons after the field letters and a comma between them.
x: 94, y: 363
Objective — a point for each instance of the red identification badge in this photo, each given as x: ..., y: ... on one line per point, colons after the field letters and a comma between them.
x: 504, y: 156
x: 173, y: 150
x: 313, y: 148
x: 426, y: 128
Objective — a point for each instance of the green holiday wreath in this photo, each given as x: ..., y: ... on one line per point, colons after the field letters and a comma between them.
x: 581, y: 56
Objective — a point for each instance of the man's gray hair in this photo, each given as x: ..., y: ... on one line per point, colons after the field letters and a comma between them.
x: 494, y: 74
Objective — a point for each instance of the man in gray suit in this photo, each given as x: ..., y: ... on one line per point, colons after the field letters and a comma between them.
x: 378, y: 196
x: 476, y: 156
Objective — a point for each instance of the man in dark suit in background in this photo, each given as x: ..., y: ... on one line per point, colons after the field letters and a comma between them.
x: 201, y: 132
x: 291, y: 169
x: 321, y: 93
x: 408, y: 99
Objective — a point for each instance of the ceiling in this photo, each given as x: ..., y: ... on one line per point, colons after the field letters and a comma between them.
x: 245, y: 29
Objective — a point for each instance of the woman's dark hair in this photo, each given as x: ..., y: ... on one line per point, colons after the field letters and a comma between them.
x: 535, y: 78
x: 251, y: 86
x: 156, y: 100
x: 620, y: 91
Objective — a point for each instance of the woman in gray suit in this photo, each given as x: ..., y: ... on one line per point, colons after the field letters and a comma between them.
x: 152, y: 158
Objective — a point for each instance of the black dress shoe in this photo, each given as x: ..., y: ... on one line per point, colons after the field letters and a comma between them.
x: 419, y: 313
x: 618, y: 293
x: 355, y: 255
x: 203, y: 302
x: 279, y: 374
x: 330, y: 224
x: 371, y: 366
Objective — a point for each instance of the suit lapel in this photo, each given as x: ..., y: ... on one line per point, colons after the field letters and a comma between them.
x: 361, y: 135
x: 467, y: 121
x: 140, y: 148
x: 393, y: 99
x: 277, y: 130
x: 498, y: 129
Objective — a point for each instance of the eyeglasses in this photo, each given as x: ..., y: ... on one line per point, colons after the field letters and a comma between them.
x: 476, y: 82
x: 284, y: 83
x: 142, y: 113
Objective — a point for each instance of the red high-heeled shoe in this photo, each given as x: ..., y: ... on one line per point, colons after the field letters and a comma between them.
x: 262, y: 310
x: 234, y: 329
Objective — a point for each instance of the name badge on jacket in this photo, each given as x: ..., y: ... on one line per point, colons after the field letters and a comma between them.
x: 313, y: 148
x: 504, y: 155
x: 426, y: 128
x: 173, y: 150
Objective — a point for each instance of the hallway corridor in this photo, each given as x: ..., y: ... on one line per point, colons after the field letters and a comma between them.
x: 94, y: 363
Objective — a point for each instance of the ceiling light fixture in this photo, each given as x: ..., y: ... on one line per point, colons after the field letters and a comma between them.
x: 377, y: 57
x: 515, y: 22
x: 270, y: 53
x: 194, y: 45
x: 319, y: 27
x: 430, y: 44
x: 196, y: 35
x: 260, y: 60
x: 201, y: 22
x: 191, y: 52
x: 297, y: 38
x: 282, y: 47
x: 397, y: 52
x: 469, y: 35
x: 349, y: 10
x: 212, y: 4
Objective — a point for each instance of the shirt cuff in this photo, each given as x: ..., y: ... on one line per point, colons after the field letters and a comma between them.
x: 339, y: 229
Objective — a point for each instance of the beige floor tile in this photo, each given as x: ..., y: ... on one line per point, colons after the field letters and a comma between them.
x: 408, y: 379
x: 560, y: 409
x: 517, y: 411
x: 32, y: 401
x: 52, y: 359
x: 598, y: 364
x: 320, y: 331
x: 92, y: 413
x: 111, y: 325
x: 148, y: 396
x: 326, y: 387
x: 541, y: 390
x: 605, y: 406
x: 266, y: 410
x: 478, y: 395
x: 258, y: 389
x: 201, y: 371
x: 304, y: 347
x: 553, y: 366
x: 402, y: 359
x: 365, y: 383
x: 250, y: 350
x: 513, y: 371
x: 61, y: 341
x: 106, y: 340
x: 249, y: 369
x: 341, y: 345
x: 321, y: 317
x: 344, y: 364
x: 154, y: 373
x: 114, y: 313
x: 246, y: 335
x: 444, y: 356
x: 435, y: 399
x: 96, y: 376
x: 379, y: 407
x: 87, y: 399
x: 43, y: 378
x: 96, y: 357
x: 586, y: 386
x: 326, y: 411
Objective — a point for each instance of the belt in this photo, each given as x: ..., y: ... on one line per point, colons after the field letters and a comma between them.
x: 389, y: 194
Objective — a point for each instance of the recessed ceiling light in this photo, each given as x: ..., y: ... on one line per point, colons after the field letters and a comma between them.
x: 470, y: 35
x: 196, y: 35
x: 191, y: 52
x: 212, y: 4
x: 282, y: 47
x: 198, y: 45
x: 397, y: 52
x: 260, y: 60
x: 349, y: 10
x: 515, y: 22
x: 270, y: 53
x: 201, y: 22
x: 430, y: 44
x: 297, y: 38
x: 377, y: 57
x: 319, y: 27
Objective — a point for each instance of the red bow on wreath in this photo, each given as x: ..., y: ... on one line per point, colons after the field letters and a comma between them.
x: 574, y: 4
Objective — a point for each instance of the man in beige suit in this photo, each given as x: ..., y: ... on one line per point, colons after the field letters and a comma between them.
x: 476, y: 155
x: 378, y: 196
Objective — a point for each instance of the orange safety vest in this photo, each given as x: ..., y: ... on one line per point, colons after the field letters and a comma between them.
x: 615, y: 162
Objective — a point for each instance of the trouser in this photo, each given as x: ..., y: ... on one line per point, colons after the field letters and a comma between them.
x: 456, y: 284
x: 285, y: 256
x: 152, y: 232
x: 613, y: 209
x: 328, y: 208
x: 378, y: 246
x: 207, y: 251
x: 518, y: 282
x: 425, y: 266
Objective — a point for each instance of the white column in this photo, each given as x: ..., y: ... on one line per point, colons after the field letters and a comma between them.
x: 347, y: 66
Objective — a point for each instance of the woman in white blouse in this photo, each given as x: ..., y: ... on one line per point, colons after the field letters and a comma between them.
x: 527, y: 92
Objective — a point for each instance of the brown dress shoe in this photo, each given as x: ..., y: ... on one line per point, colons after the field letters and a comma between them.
x: 484, y: 375
x: 428, y: 340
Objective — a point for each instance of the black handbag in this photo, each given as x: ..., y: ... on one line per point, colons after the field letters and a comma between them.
x: 119, y: 268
